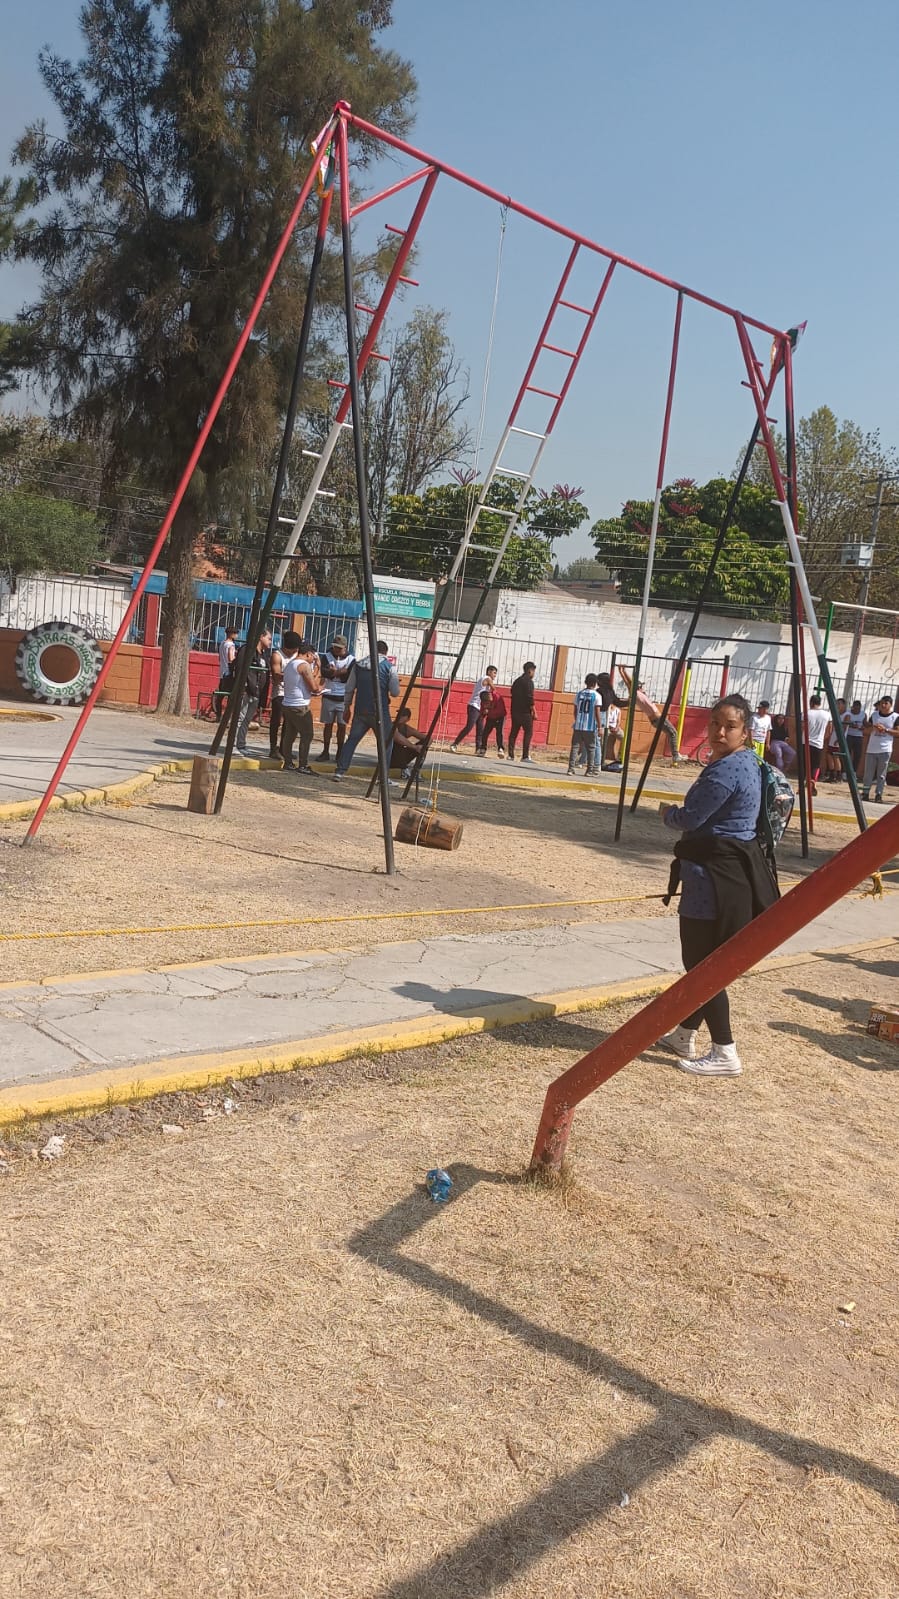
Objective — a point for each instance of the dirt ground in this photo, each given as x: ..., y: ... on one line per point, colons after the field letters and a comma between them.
x: 251, y: 1360
x: 309, y: 849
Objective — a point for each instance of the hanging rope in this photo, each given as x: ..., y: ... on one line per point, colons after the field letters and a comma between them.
x: 435, y: 769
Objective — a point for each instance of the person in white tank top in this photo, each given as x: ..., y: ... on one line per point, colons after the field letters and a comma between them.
x: 301, y: 684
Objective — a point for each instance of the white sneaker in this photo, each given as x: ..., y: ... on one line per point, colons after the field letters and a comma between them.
x: 681, y: 1041
x: 722, y: 1060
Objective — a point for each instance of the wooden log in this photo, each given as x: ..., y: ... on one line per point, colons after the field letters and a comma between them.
x: 203, y: 784
x: 428, y: 828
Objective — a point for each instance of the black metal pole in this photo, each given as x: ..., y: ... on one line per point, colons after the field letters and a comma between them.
x: 795, y: 624
x: 240, y: 677
x: 723, y: 531
x: 364, y: 522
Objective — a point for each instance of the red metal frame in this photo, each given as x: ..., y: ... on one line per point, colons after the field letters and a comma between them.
x: 816, y: 893
x: 342, y: 118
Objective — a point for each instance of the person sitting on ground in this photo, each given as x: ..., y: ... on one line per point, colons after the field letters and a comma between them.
x: 480, y: 690
x: 301, y: 685
x: 523, y: 712
x: 336, y: 664
x: 780, y: 749
x: 761, y: 728
x: 653, y: 714
x: 360, y: 693
x: 725, y: 877
x: 882, y: 722
x: 492, y: 720
x: 583, y: 736
x: 408, y: 743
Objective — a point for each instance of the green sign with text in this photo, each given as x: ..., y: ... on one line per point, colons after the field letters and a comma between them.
x: 404, y: 597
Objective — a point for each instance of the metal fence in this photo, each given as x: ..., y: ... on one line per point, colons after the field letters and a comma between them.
x: 95, y: 604
x: 507, y: 654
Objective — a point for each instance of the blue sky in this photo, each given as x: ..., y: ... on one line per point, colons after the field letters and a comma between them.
x: 748, y: 151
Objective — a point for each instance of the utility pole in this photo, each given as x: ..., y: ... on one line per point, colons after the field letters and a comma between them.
x: 865, y: 590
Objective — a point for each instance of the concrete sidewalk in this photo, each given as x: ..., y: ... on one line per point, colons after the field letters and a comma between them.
x: 89, y: 1039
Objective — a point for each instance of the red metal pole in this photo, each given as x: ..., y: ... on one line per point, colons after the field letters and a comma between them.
x: 322, y: 144
x: 816, y: 893
x: 725, y: 674
x: 536, y: 216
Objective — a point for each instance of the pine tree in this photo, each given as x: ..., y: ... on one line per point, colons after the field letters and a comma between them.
x: 187, y: 128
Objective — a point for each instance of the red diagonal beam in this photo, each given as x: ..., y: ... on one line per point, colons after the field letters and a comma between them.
x: 816, y: 893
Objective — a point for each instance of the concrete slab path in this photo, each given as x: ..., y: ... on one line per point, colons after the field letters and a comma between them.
x: 69, y: 1027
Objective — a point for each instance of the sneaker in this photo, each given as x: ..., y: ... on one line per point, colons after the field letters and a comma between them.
x: 480, y: 752
x: 614, y: 766
x: 289, y: 766
x: 526, y: 761
x: 500, y: 755
x: 866, y: 795
x: 878, y: 799
x: 510, y: 756
x: 337, y: 777
x: 306, y: 771
x: 722, y: 1060
x: 407, y: 772
x: 454, y: 749
x: 241, y: 749
x: 681, y: 1041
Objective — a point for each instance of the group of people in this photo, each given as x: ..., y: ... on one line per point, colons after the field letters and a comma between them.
x: 487, y: 710
x: 292, y: 676
x: 597, y: 734
x: 771, y: 740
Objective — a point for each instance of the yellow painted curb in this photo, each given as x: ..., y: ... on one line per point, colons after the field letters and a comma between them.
x: 26, y: 714
x: 122, y: 1084
x: 23, y: 810
x: 118, y: 1085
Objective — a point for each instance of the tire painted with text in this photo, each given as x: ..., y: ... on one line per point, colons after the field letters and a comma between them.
x: 85, y: 661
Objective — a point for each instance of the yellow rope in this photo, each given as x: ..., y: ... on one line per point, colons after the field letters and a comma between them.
x: 312, y: 921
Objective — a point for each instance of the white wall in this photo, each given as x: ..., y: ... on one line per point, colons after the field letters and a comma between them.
x: 97, y: 604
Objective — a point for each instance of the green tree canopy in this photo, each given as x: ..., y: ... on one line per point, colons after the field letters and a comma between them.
x: 423, y: 532
x: 185, y: 135
x: 752, y: 574
x: 836, y: 478
x: 38, y: 534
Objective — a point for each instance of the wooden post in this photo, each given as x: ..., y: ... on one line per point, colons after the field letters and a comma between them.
x: 203, y: 783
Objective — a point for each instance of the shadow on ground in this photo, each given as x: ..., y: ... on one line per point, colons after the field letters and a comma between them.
x: 504, y: 1549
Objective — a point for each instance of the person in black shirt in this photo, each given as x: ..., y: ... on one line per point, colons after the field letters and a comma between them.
x: 523, y: 712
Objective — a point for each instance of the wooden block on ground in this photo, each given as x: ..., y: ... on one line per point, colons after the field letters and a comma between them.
x: 203, y: 784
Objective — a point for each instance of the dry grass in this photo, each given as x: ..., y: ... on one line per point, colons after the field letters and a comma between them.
x: 254, y: 1362
x: 295, y: 847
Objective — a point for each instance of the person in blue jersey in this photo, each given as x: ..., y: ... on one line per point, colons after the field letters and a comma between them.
x: 724, y: 875
x: 583, y: 736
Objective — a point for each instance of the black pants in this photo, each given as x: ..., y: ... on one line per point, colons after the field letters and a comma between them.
x: 274, y: 725
x: 485, y: 728
x: 525, y: 728
x: 697, y: 940
x: 471, y: 720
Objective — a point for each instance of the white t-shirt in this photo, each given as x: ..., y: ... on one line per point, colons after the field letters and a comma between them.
x: 612, y: 717
x: 817, y: 727
x: 297, y: 694
x: 334, y: 689
x: 853, y: 722
x: 479, y: 689
x: 881, y: 740
x: 761, y: 727
x: 227, y: 654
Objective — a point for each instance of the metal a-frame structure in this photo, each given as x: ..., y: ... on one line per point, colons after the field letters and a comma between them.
x: 331, y: 165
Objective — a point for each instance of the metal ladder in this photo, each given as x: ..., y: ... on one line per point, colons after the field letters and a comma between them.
x: 495, y: 546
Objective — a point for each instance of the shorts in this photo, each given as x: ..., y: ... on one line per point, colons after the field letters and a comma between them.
x: 333, y: 710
